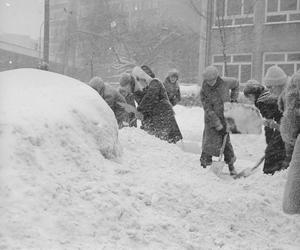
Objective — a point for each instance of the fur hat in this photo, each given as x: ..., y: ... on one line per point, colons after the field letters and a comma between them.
x: 173, y: 72
x: 275, y: 76
x: 125, y: 79
x: 210, y: 73
x: 97, y: 83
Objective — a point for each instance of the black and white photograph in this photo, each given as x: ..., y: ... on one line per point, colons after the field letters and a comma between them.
x: 149, y: 124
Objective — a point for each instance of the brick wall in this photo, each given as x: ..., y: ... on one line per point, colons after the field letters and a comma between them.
x: 263, y: 37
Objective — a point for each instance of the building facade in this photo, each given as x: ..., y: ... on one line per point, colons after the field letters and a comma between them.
x: 253, y: 35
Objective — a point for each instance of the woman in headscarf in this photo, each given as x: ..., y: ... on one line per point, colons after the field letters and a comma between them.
x: 156, y: 109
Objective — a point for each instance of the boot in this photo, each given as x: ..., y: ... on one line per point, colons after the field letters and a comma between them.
x: 232, y: 170
x: 204, y: 163
x: 205, y: 160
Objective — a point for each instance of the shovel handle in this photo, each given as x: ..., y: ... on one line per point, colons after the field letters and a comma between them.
x: 223, y: 146
x: 258, y: 163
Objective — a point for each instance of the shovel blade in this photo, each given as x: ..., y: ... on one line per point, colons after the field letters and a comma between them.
x: 245, y: 173
x: 217, y: 167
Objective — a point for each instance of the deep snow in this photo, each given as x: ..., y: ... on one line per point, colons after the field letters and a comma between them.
x: 60, y: 193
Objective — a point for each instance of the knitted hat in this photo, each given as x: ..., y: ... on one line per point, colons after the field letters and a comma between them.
x: 275, y: 76
x: 148, y: 71
x: 97, y: 83
x: 125, y: 79
x: 210, y: 73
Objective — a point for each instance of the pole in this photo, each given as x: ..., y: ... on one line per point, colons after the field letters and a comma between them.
x: 40, y: 41
x: 46, y: 31
x: 203, y: 37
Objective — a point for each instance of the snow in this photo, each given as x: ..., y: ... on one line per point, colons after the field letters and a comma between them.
x: 57, y: 191
x: 189, y: 89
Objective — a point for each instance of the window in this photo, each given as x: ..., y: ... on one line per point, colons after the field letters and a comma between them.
x: 238, y: 66
x: 282, y: 11
x: 288, y: 61
x: 233, y: 12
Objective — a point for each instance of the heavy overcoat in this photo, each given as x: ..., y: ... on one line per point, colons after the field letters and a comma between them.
x: 159, y: 117
x: 275, y: 150
x: 213, y: 98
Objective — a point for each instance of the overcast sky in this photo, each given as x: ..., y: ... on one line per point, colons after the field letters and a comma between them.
x: 21, y: 17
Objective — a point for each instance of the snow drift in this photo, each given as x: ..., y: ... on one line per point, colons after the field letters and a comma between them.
x: 44, y: 106
x: 58, y: 191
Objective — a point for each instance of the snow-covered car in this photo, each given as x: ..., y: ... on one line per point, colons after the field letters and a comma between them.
x: 45, y: 108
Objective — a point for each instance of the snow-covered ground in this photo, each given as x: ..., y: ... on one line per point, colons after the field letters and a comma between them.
x: 57, y: 191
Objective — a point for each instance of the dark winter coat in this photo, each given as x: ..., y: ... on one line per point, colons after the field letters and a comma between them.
x: 213, y: 98
x: 173, y: 91
x: 159, y: 117
x: 275, y: 151
x: 113, y: 98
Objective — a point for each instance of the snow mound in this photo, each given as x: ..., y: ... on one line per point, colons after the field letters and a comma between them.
x: 39, y: 106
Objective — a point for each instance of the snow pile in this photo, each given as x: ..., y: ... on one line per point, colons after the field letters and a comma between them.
x: 38, y: 104
x: 57, y: 191
x: 189, y: 89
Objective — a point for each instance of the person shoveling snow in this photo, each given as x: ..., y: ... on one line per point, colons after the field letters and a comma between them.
x: 214, y: 92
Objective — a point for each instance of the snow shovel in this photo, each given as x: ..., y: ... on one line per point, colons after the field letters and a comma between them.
x: 217, y: 166
x: 248, y: 171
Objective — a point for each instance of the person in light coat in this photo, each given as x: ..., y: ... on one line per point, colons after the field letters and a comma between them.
x: 290, y: 130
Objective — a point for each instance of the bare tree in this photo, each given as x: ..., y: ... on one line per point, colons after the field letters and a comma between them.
x: 218, y: 17
x: 222, y: 32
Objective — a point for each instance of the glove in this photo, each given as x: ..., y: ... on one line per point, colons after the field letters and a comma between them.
x: 219, y: 127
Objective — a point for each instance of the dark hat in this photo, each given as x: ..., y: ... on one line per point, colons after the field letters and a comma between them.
x: 253, y: 87
x: 148, y: 71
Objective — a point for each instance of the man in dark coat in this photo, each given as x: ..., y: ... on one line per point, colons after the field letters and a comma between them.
x: 157, y: 110
x: 172, y: 87
x: 127, y: 84
x: 214, y: 92
x: 112, y: 97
